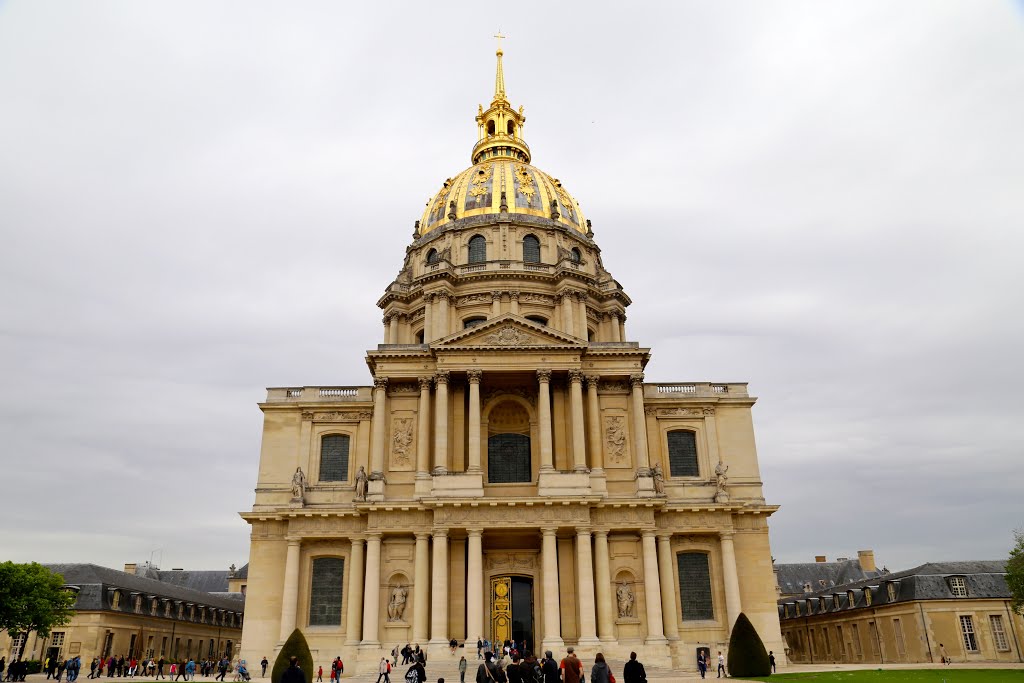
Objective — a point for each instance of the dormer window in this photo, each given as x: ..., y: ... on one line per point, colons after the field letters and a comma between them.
x: 867, y: 597
x: 851, y: 599
x: 958, y: 586
x: 890, y: 590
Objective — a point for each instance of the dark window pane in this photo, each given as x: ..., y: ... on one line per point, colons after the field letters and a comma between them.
x: 473, y: 322
x: 682, y: 454
x: 334, y: 458
x: 695, y: 586
x: 508, y: 458
x: 477, y: 249
x: 531, y: 249
x: 325, y: 595
x: 432, y: 256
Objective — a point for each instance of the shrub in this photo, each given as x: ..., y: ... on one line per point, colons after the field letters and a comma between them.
x: 295, y: 646
x: 747, y: 656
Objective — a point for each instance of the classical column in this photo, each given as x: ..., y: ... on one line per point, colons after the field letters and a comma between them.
x: 568, y: 323
x: 596, y: 446
x: 442, y: 314
x: 428, y: 318
x: 290, y: 589
x: 552, y: 638
x: 614, y: 328
x: 423, y: 430
x: 622, y: 327
x: 513, y: 299
x: 387, y: 328
x: 354, y: 624
x: 474, y: 585
x: 422, y: 588
x: 495, y: 304
x: 652, y: 590
x: 441, y: 422
x: 474, y: 420
x: 371, y: 591
x: 544, y: 409
x: 579, y: 439
x: 380, y: 395
x: 393, y: 334
x: 732, y: 580
x: 439, y: 584
x: 668, y: 586
x: 603, y: 577
x: 581, y: 315
x: 643, y: 463
x: 585, y: 567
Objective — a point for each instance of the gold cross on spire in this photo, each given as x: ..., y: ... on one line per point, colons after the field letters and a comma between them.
x: 499, y: 37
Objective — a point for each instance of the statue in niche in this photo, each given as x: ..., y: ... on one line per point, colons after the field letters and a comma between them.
x: 298, y: 484
x: 361, y: 484
x: 659, y: 480
x: 625, y: 598
x: 396, y: 605
x: 720, y: 479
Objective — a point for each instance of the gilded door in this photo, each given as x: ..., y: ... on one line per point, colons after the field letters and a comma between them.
x: 501, y: 608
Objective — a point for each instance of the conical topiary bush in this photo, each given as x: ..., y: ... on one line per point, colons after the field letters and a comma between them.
x: 747, y: 656
x: 295, y: 646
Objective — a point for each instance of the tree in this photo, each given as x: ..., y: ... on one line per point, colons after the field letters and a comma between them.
x: 32, y: 598
x: 1015, y: 572
x: 295, y: 646
x: 747, y: 656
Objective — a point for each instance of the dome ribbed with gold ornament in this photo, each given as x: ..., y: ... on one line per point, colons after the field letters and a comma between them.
x: 501, y: 171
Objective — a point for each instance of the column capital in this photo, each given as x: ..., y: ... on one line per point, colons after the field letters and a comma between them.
x: 548, y: 530
x: 514, y: 295
x: 567, y: 295
x: 601, y: 532
x: 496, y: 296
x: 576, y: 376
x: 425, y: 383
x: 583, y: 530
x: 475, y: 531
x: 592, y: 381
x: 442, y: 377
x: 726, y: 535
x: 380, y: 382
x: 294, y: 540
x: 428, y: 297
x: 544, y: 376
x: 647, y: 533
x: 388, y: 317
x: 357, y: 539
x: 664, y: 535
x: 439, y: 533
x: 474, y: 375
x: 580, y: 296
x: 637, y: 379
x: 443, y: 296
x: 373, y: 536
x: 420, y: 535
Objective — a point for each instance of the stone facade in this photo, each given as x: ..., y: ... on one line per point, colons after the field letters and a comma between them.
x: 510, y: 470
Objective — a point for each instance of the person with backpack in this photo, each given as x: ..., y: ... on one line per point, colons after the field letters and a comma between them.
x: 489, y: 671
x: 416, y: 673
x: 384, y: 671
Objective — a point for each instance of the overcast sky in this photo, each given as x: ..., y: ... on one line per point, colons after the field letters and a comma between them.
x: 202, y: 199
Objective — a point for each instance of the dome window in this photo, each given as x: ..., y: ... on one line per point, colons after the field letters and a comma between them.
x: 537, y: 319
x: 576, y: 255
x: 477, y: 249
x: 490, y: 127
x: 432, y: 256
x: 531, y: 249
x: 511, y: 128
x: 472, y: 322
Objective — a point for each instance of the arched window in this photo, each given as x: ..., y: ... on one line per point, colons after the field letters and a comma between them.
x: 334, y: 457
x: 531, y: 249
x: 477, y: 249
x: 325, y: 593
x: 576, y: 255
x: 511, y: 128
x: 432, y: 256
x: 537, y: 319
x: 682, y: 454
x: 472, y: 322
x: 508, y: 444
x: 419, y: 337
x: 490, y: 127
x: 695, y: 586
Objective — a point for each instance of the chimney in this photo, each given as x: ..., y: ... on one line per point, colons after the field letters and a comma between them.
x: 867, y: 560
x: 820, y: 558
x: 129, y: 568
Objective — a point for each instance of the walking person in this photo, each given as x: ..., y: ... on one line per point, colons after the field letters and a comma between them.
x: 263, y: 665
x: 600, y: 672
x: 462, y: 669
x: 571, y: 667
x: 320, y: 675
x: 159, y: 668
x: 702, y: 663
x: 771, y: 660
x: 223, y: 669
x: 549, y: 668
x: 721, y: 665
x: 384, y: 671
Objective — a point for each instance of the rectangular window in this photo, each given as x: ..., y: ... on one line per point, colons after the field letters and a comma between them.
x: 967, y: 629
x: 188, y: 649
x: 334, y: 457
x: 325, y: 595
x: 842, y: 643
x: 163, y: 647
x: 17, y: 646
x: 682, y: 454
x: 810, y: 639
x: 873, y: 634
x: 998, y: 632
x: 897, y: 629
x: 958, y: 585
x: 858, y: 649
x: 825, y: 639
x: 695, y: 586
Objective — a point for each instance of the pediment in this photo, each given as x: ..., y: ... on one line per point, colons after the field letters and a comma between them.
x: 508, y: 331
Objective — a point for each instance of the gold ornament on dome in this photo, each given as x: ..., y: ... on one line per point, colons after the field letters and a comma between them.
x: 525, y: 183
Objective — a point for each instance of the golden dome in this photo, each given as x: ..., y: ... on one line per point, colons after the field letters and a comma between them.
x: 478, y: 191
x: 501, y: 174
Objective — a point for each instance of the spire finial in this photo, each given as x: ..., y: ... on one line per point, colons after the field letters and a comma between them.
x: 499, y: 77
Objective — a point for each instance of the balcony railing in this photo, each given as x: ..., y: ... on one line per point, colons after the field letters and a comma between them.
x: 323, y: 394
x: 694, y: 389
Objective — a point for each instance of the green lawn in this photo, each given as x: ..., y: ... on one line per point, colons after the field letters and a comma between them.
x: 916, y: 675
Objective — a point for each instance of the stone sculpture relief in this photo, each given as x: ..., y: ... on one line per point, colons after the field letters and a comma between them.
x: 721, y: 496
x: 298, y: 485
x: 396, y: 605
x: 508, y: 336
x: 659, y: 479
x: 625, y: 598
x: 401, y: 441
x: 615, y: 437
x: 361, y: 480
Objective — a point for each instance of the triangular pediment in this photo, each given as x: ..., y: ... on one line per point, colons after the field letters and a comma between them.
x: 508, y: 331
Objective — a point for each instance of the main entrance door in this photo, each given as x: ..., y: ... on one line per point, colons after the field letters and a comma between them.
x: 512, y: 609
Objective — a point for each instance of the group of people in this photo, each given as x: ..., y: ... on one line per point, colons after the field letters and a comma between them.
x: 337, y: 668
x: 508, y: 665
x: 18, y: 669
